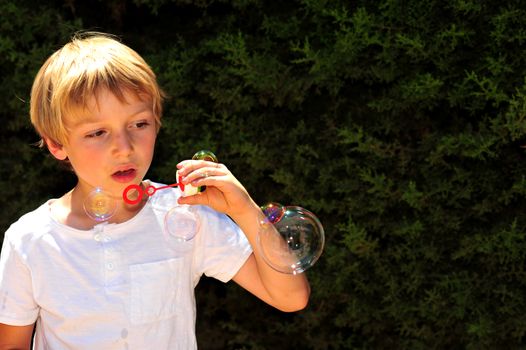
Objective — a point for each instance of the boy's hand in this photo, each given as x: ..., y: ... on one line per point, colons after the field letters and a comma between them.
x: 224, y: 193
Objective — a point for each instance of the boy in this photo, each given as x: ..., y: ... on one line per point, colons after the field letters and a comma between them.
x: 118, y: 284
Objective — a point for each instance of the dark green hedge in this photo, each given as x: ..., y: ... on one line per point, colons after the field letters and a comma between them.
x: 401, y: 124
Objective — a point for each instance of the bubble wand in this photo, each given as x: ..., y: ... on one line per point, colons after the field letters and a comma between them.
x: 136, y: 190
x: 129, y: 192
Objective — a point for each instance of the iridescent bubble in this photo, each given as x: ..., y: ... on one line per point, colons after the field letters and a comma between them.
x: 99, y: 205
x: 293, y: 243
x: 181, y: 224
x: 273, y: 211
x: 205, y: 155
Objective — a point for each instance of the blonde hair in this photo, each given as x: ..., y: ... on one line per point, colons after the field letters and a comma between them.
x: 77, y: 72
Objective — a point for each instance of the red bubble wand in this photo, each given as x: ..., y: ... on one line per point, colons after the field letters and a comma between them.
x: 129, y: 191
x: 150, y: 190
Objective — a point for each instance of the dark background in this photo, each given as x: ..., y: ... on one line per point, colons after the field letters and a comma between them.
x: 401, y: 124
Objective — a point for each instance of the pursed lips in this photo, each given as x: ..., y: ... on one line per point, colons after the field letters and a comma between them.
x: 124, y: 175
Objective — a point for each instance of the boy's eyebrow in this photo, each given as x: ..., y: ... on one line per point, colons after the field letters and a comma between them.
x: 92, y: 120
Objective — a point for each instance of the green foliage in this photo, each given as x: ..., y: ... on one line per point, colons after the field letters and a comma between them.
x: 401, y: 124
x: 27, y: 36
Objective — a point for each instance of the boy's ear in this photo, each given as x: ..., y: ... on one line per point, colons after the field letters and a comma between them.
x: 56, y: 149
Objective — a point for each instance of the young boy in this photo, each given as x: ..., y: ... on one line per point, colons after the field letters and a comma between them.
x: 119, y: 284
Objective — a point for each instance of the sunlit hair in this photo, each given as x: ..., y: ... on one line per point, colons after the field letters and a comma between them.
x: 73, y: 75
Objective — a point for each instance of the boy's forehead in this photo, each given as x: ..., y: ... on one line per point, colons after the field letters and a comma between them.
x: 78, y: 118
x: 93, y: 110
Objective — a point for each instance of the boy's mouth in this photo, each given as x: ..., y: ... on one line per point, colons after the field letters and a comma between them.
x: 124, y: 175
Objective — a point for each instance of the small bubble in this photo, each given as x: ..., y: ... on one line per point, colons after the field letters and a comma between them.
x: 99, y: 205
x: 181, y: 224
x: 273, y: 212
x: 205, y: 155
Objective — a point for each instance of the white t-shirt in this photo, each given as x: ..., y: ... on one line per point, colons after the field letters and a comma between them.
x: 117, y: 286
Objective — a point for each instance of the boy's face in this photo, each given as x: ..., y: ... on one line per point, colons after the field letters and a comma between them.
x: 111, y: 143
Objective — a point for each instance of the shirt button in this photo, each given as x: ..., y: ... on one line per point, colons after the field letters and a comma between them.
x: 97, y: 237
x: 109, y: 266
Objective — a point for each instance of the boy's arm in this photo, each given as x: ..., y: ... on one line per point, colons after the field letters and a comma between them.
x: 225, y: 194
x: 292, y: 299
x: 286, y: 292
x: 15, y: 337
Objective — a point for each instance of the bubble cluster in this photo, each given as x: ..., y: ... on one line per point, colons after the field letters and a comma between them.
x: 99, y: 205
x: 290, y: 239
x: 181, y: 224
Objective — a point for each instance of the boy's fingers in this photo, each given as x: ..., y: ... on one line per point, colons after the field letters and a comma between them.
x: 188, y: 166
x: 196, y: 199
x: 201, y: 174
x: 195, y: 163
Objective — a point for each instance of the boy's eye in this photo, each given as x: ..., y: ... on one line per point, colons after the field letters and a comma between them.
x: 97, y: 133
x: 141, y: 124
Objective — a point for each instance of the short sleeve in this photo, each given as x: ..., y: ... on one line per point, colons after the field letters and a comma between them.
x: 17, y: 304
x: 221, y: 247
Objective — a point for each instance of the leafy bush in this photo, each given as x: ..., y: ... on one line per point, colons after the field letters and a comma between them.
x: 401, y: 124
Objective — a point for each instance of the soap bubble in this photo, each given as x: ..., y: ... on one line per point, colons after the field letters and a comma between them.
x: 201, y: 155
x: 99, y: 205
x: 292, y: 243
x: 181, y: 224
x: 273, y: 212
x: 205, y: 155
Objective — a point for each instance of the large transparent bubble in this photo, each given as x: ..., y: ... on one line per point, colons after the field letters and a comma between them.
x: 290, y: 239
x: 99, y: 205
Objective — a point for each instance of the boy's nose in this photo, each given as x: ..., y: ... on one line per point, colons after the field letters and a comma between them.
x: 122, y: 144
